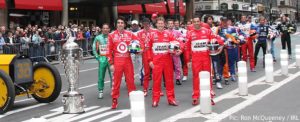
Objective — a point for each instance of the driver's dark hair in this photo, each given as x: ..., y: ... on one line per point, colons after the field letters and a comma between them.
x: 206, y: 17
x: 196, y: 15
x: 120, y: 18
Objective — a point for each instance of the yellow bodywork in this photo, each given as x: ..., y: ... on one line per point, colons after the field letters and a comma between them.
x: 3, y: 93
x: 44, y: 79
x: 5, y: 60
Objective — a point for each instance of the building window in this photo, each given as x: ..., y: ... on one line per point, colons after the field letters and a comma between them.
x: 207, y: 7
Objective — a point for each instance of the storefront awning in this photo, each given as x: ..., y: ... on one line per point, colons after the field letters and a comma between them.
x: 172, y: 9
x: 2, y: 4
x: 158, y: 8
x: 55, y: 5
x: 134, y: 9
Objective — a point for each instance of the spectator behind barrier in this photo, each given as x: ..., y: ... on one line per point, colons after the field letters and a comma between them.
x: 2, y: 42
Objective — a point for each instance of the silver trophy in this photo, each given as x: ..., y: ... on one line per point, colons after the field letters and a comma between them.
x: 71, y: 56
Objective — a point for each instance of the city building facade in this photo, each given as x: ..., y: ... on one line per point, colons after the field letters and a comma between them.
x: 288, y: 7
x: 15, y: 13
x: 235, y: 8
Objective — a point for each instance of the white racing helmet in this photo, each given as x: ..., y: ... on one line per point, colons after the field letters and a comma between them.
x: 242, y: 39
x: 214, y: 47
x: 134, y: 46
x: 174, y: 45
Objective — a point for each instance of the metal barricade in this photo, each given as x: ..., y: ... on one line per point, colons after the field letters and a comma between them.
x: 12, y: 48
x: 52, y: 50
x: 44, y: 51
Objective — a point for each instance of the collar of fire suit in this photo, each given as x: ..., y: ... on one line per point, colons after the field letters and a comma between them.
x: 243, y: 23
x: 120, y: 32
x: 104, y: 35
x: 149, y: 30
x: 262, y: 25
x: 160, y: 32
x: 197, y: 30
x: 171, y: 30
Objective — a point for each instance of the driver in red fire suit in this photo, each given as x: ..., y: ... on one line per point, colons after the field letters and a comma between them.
x: 120, y: 60
x: 160, y: 60
x: 198, y: 55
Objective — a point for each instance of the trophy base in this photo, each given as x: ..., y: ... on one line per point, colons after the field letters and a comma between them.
x: 73, y: 103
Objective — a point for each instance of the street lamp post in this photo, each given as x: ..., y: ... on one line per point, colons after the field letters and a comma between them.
x: 271, y: 12
x: 297, y: 11
x: 219, y: 8
x: 251, y: 7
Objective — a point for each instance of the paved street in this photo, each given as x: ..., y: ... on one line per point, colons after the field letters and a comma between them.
x: 278, y: 101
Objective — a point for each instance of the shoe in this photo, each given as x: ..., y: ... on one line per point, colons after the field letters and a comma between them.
x: 274, y: 60
x: 219, y: 85
x: 184, y: 78
x: 150, y: 88
x: 226, y: 82
x: 213, y: 94
x: 214, y: 82
x: 100, y: 95
x: 233, y: 78
x: 178, y: 82
x: 213, y: 102
x: 161, y: 94
x: 195, y: 102
x: 114, y: 103
x: 253, y: 70
x: 173, y: 103
x: 154, y: 104
x: 145, y: 93
x: 142, y: 83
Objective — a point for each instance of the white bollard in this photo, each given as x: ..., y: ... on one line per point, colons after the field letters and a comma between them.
x: 269, y: 68
x: 243, y: 79
x: 284, y: 62
x: 297, y: 51
x: 137, y: 104
x: 205, y: 96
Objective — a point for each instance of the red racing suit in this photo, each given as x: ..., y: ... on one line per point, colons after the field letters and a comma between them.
x: 162, y: 60
x: 247, y: 49
x: 119, y: 56
x: 197, y: 50
x: 144, y: 36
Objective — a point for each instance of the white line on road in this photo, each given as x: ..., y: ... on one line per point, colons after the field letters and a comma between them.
x: 123, y: 113
x: 83, y: 87
x: 58, y: 111
x: 39, y: 105
x: 22, y: 109
x: 88, y: 114
x: 252, y: 99
x: 192, y: 110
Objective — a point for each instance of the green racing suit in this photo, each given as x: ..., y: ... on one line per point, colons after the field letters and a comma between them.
x: 100, y: 52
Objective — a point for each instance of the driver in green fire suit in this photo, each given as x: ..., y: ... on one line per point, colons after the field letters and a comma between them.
x: 100, y: 52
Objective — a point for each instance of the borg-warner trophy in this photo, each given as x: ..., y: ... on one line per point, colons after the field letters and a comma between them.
x: 71, y: 56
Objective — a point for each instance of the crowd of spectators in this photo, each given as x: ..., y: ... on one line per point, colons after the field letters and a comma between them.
x: 38, y: 41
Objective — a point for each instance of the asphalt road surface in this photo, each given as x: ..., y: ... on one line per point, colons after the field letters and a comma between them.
x: 278, y: 101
